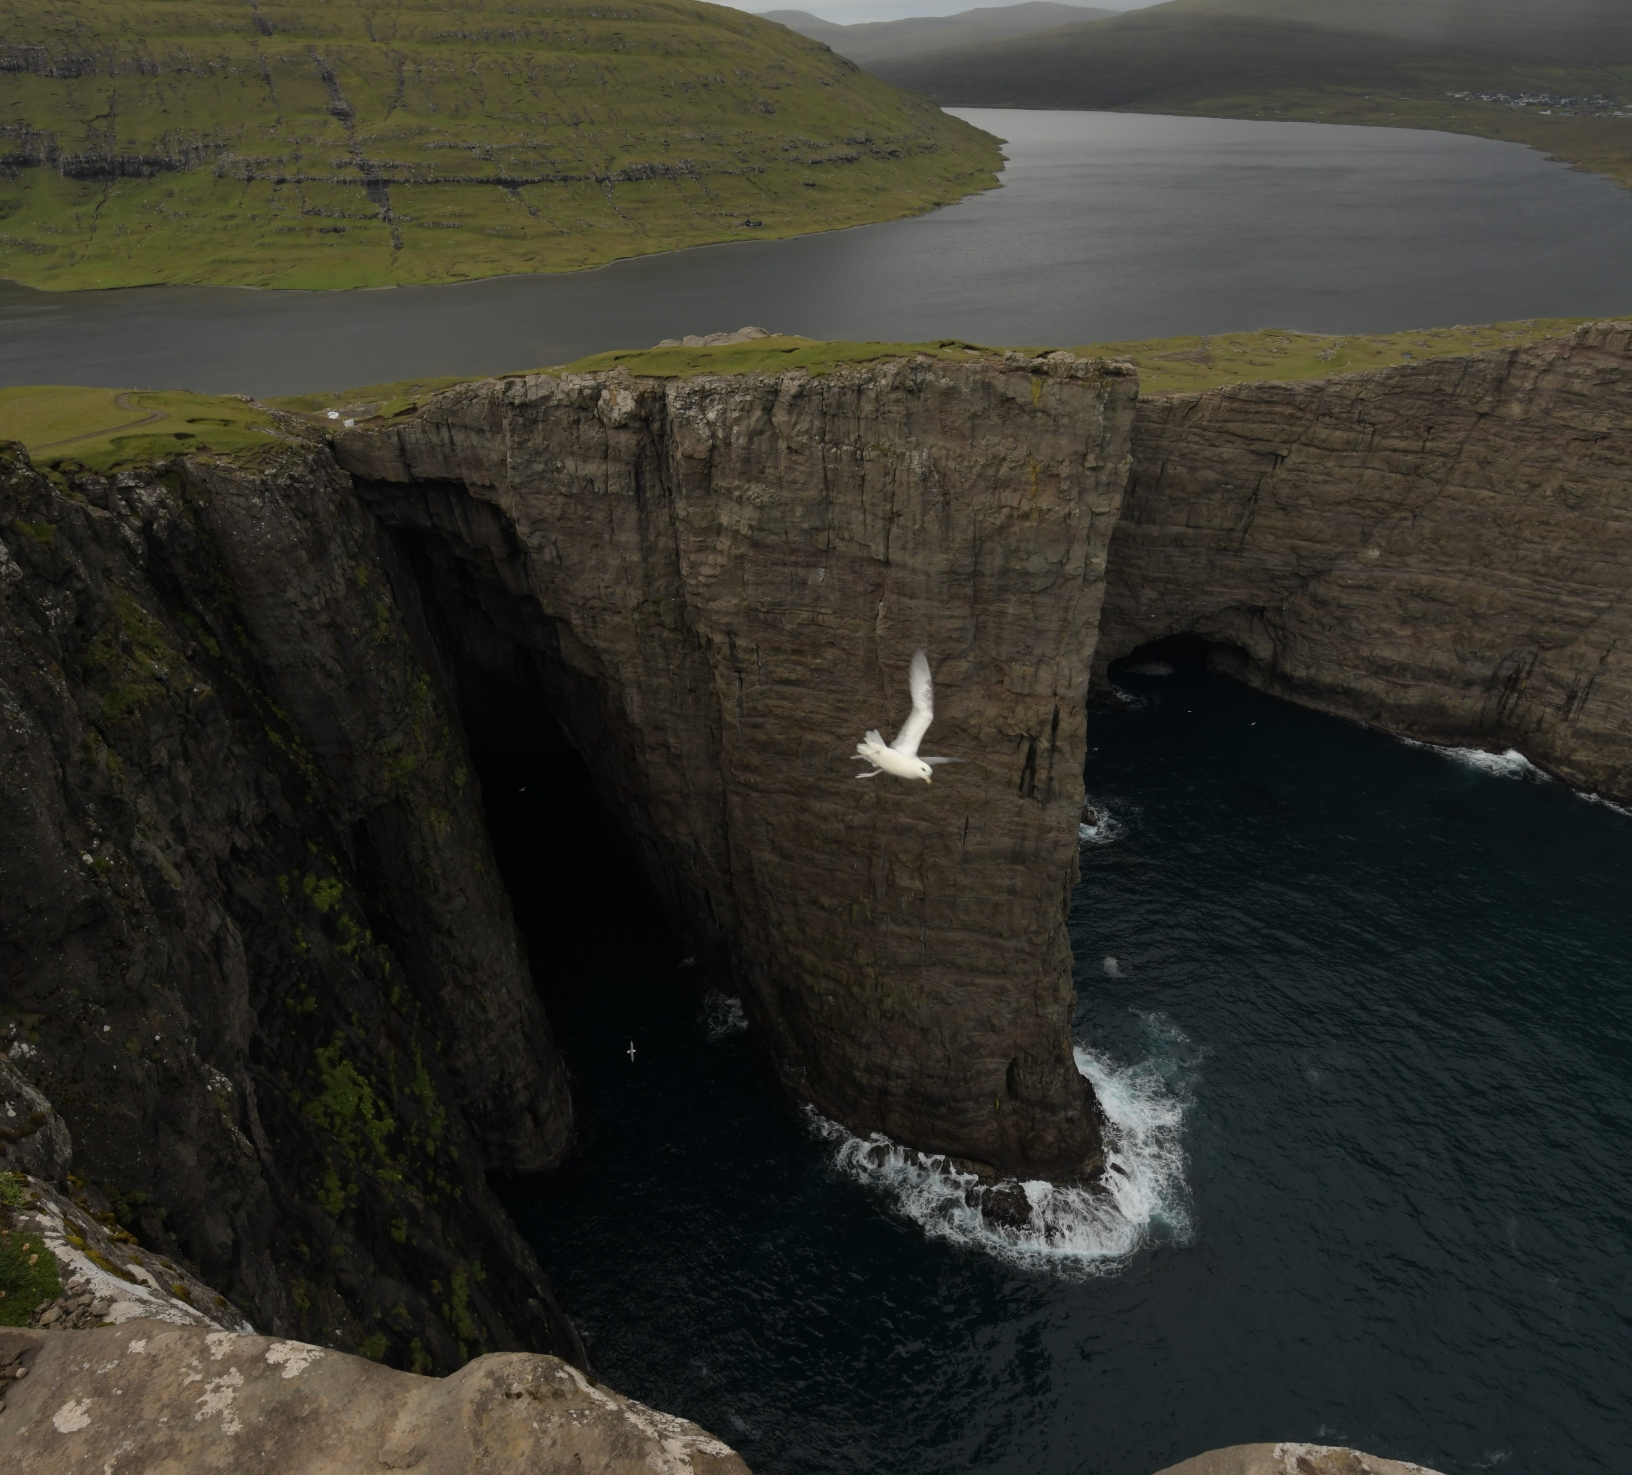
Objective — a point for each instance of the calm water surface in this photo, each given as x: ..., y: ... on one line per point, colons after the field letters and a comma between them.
x: 1110, y: 226
x: 1378, y: 997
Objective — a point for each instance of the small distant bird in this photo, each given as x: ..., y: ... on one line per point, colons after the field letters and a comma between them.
x: 631, y: 1052
x: 901, y: 757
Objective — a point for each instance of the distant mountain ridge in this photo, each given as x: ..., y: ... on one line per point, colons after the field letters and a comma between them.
x: 1558, y: 76
x: 873, y: 41
x: 1576, y: 32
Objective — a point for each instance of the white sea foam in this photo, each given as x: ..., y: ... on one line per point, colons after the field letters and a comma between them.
x: 1511, y: 764
x: 1073, y: 1231
x: 1107, y: 828
x: 1113, y: 969
x: 722, y: 1015
x: 1608, y: 804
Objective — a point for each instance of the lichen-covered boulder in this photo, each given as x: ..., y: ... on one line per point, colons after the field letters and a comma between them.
x: 152, y: 1396
x: 1289, y: 1458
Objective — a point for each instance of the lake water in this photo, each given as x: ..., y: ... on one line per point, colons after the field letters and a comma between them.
x: 1362, y: 1011
x: 1110, y: 226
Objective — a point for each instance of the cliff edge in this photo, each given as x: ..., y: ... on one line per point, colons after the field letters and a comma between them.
x: 1443, y: 549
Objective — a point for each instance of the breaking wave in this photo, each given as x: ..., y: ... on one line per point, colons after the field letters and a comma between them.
x: 1078, y: 1231
x: 1511, y: 764
x: 1105, y: 827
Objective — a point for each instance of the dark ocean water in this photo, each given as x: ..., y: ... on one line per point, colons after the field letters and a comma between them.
x: 1109, y: 226
x: 1362, y: 1009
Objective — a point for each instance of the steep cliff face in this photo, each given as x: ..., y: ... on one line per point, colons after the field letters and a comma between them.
x: 252, y: 942
x: 1441, y: 548
x: 716, y: 585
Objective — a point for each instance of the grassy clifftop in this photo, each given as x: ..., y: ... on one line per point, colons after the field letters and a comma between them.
x: 69, y: 426
x: 331, y: 143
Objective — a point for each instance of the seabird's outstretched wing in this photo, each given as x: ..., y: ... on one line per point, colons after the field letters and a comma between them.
x: 923, y: 707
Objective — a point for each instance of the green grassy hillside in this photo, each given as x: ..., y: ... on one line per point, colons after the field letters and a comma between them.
x: 332, y: 143
x: 1390, y: 62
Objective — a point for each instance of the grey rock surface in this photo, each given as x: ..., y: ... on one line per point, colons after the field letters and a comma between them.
x: 33, y: 1137
x: 151, y: 1396
x: 1443, y: 549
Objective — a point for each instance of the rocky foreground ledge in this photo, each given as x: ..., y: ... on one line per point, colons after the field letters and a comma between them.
x: 152, y: 1396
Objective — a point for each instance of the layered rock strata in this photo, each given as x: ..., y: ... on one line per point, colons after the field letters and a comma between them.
x: 1443, y: 548
x: 717, y: 584
x: 253, y: 945
x: 151, y: 1396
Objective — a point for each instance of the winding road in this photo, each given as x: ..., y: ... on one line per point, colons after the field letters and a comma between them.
x: 122, y: 401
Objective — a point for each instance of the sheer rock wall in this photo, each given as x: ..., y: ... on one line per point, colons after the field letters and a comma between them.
x: 719, y: 583
x: 1444, y: 548
x: 253, y: 945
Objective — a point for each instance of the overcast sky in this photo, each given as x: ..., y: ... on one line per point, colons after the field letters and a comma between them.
x: 850, y: 12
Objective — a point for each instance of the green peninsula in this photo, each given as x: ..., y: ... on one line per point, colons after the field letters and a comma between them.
x: 331, y: 143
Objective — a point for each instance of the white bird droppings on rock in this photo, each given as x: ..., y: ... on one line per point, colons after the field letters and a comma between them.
x: 72, y: 1416
x: 295, y: 1357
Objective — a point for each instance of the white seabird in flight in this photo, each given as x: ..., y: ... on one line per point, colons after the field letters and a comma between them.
x: 901, y: 757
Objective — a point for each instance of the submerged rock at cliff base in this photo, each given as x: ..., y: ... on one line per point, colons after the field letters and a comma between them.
x: 148, y: 1395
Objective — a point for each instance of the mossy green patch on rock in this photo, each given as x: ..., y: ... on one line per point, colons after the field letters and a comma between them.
x: 318, y: 145
x: 29, y: 1272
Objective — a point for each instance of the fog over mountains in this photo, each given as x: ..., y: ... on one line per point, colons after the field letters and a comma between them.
x: 865, y: 42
